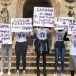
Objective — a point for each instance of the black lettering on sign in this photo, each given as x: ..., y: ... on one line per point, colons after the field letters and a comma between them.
x: 74, y: 22
x: 20, y: 21
x: 70, y: 22
x: 26, y: 28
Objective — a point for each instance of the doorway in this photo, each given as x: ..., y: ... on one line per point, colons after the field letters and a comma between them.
x: 28, y: 10
x: 29, y: 5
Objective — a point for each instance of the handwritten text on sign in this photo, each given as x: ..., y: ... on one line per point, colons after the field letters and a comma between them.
x: 62, y: 22
x: 72, y: 26
x: 21, y: 24
x: 43, y: 16
x: 5, y: 34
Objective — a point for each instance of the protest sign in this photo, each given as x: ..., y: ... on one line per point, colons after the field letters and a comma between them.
x: 43, y: 16
x: 5, y: 34
x: 21, y: 24
x: 72, y: 26
x: 62, y: 22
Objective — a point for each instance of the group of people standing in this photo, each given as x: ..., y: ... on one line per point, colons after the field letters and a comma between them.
x: 41, y: 47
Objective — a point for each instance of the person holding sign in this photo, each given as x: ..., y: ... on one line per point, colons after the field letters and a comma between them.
x: 6, y: 47
x: 59, y: 48
x: 72, y: 38
x: 41, y: 46
x: 21, y: 49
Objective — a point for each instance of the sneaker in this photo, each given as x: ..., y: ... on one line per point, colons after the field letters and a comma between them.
x: 63, y: 75
x: 38, y: 72
x: 1, y: 73
x: 44, y: 72
x: 9, y: 73
x: 55, y: 74
x: 24, y: 73
x: 17, y: 72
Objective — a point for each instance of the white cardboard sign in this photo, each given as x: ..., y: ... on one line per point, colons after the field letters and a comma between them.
x: 43, y: 16
x: 62, y: 22
x: 5, y: 34
x: 72, y: 26
x: 21, y: 24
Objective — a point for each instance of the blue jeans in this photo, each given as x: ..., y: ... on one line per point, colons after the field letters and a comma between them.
x: 6, y: 49
x: 41, y: 45
x: 59, y: 50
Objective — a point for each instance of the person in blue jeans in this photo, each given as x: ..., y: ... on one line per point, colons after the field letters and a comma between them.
x: 6, y: 50
x: 59, y: 49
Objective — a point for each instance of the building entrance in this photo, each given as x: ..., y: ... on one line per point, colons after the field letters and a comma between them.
x: 28, y: 9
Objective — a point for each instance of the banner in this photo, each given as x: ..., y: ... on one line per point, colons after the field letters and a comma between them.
x: 43, y: 16
x: 21, y: 24
x: 5, y: 34
x: 62, y: 22
x: 72, y: 26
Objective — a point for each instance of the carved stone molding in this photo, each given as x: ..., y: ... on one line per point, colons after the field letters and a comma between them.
x: 5, y: 2
x: 20, y: 5
x: 70, y: 1
x: 5, y: 12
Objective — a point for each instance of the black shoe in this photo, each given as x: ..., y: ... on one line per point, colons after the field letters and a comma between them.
x: 44, y: 72
x: 38, y: 73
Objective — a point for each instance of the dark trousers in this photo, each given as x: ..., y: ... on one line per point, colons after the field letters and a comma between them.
x: 21, y: 49
x: 72, y: 73
x: 44, y: 63
x: 41, y: 46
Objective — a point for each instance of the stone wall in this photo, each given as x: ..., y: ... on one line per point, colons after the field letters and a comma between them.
x: 16, y: 7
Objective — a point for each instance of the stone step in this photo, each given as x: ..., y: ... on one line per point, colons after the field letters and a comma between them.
x: 33, y: 51
x: 33, y: 64
x: 41, y: 60
x: 29, y: 58
x: 50, y: 54
x: 33, y: 70
x: 34, y: 54
x: 34, y: 74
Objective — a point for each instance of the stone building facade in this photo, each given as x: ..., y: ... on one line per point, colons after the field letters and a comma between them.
x: 15, y: 7
x: 22, y: 8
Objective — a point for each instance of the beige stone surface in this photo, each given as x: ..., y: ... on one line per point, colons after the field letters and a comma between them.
x: 16, y: 7
x: 36, y: 75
